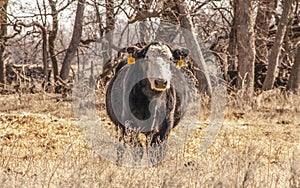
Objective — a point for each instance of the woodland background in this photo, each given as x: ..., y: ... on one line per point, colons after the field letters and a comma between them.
x: 255, y: 41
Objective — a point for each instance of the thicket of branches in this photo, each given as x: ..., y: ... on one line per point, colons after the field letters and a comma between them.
x: 256, y: 41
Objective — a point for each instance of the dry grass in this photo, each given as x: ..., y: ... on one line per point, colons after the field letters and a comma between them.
x: 258, y: 146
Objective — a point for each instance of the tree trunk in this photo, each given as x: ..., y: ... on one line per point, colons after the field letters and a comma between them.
x: 77, y: 32
x: 232, y: 50
x: 245, y: 45
x: 169, y: 22
x: 3, y: 32
x: 99, y: 19
x: 52, y: 38
x: 276, y: 48
x: 262, y: 24
x: 45, y: 56
x: 110, y: 15
x: 191, y: 41
x: 294, y: 80
x: 144, y: 30
x: 44, y: 47
x: 109, y: 32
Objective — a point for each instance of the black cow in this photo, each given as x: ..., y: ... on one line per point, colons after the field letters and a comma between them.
x: 142, y: 98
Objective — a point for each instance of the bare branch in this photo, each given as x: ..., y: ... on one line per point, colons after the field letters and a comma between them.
x: 143, y: 15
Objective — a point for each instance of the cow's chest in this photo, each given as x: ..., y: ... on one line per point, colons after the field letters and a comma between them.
x: 143, y: 102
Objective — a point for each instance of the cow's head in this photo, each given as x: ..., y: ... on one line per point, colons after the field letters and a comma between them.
x: 157, y: 59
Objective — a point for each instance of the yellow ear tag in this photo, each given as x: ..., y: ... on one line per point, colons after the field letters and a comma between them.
x: 180, y: 63
x: 130, y: 60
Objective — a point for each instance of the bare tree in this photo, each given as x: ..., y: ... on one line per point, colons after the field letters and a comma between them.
x: 77, y: 33
x: 191, y: 41
x: 52, y: 38
x: 144, y: 31
x: 245, y: 44
x: 169, y: 18
x: 273, y: 58
x: 44, y: 45
x: 232, y: 49
x: 109, y: 31
x: 99, y: 19
x: 294, y: 80
x: 3, y: 31
x: 265, y: 11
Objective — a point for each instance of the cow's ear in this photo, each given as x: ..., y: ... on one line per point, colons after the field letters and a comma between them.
x: 131, y: 51
x: 183, y: 52
x: 179, y: 55
x: 176, y: 54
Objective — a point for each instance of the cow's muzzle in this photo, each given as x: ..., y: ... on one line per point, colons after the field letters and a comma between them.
x: 160, y: 84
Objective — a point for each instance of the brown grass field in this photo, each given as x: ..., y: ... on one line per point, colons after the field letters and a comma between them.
x: 257, y: 146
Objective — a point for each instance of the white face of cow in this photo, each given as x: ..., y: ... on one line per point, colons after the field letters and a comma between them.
x: 158, y: 71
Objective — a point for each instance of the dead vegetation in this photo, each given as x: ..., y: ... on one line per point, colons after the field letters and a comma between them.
x: 258, y: 146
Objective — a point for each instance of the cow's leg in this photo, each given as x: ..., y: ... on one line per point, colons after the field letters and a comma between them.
x: 156, y: 148
x: 121, y: 145
x: 120, y: 153
x: 136, y: 147
x: 138, y: 153
x: 158, y: 143
x: 129, y: 141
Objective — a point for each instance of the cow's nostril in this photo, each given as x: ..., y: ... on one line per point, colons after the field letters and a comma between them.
x: 160, y: 83
x: 165, y: 83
